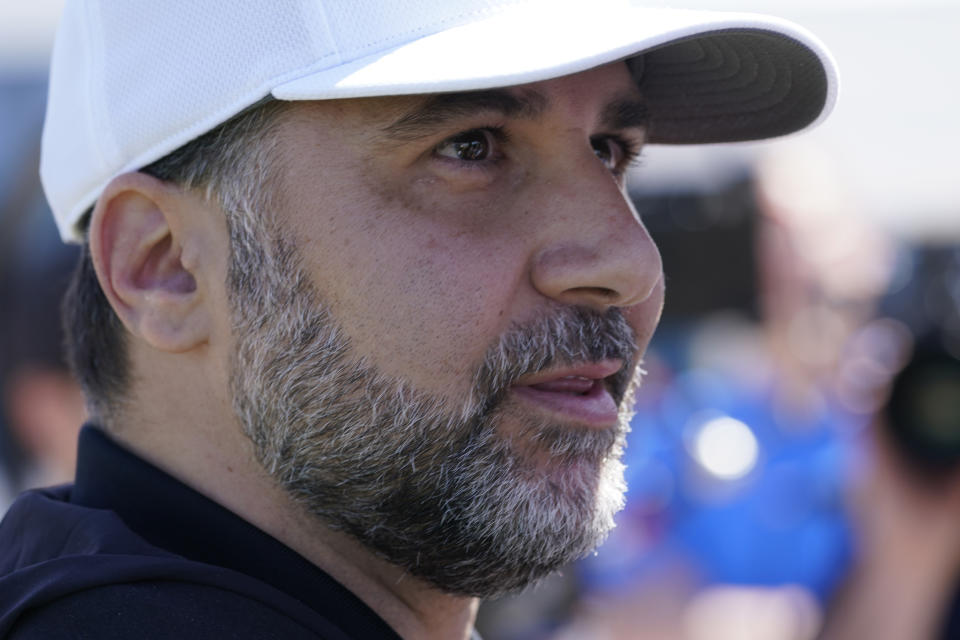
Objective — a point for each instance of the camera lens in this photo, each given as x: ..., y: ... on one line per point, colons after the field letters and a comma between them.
x: 924, y: 409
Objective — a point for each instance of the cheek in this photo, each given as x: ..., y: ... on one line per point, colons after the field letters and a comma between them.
x: 435, y: 313
x: 421, y: 288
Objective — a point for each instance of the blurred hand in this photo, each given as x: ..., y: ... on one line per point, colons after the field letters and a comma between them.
x: 908, y: 536
x: 899, y: 511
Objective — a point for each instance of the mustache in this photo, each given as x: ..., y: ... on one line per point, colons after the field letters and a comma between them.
x: 564, y: 336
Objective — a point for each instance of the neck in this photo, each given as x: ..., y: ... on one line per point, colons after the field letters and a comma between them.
x: 415, y: 610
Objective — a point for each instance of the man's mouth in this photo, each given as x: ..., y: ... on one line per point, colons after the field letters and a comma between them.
x: 579, y: 393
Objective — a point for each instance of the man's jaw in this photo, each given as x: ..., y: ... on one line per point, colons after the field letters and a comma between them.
x: 578, y: 394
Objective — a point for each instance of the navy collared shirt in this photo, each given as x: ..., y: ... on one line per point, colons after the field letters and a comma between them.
x: 129, y: 551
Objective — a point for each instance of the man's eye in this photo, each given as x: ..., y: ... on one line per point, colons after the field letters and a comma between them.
x: 475, y: 145
x: 610, y: 151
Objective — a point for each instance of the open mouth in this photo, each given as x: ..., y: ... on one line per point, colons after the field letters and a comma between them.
x: 579, y: 393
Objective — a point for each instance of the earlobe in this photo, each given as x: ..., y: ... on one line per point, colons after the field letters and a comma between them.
x: 137, y: 237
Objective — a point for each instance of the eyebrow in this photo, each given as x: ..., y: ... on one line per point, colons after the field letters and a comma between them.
x: 625, y: 113
x: 439, y: 109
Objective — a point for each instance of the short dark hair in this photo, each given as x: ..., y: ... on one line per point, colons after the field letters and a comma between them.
x: 225, y: 163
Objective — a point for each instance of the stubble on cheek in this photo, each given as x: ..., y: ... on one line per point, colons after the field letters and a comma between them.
x: 421, y: 291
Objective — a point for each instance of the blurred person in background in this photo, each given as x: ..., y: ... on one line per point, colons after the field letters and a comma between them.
x: 905, y: 496
x: 355, y: 363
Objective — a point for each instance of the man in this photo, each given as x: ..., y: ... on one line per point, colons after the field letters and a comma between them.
x: 362, y: 300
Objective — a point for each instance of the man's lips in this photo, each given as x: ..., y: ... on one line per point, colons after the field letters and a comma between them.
x: 577, y: 392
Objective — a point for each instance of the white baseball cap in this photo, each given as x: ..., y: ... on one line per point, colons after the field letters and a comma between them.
x: 133, y: 80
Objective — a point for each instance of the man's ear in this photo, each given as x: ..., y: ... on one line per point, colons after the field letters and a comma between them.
x: 145, y: 249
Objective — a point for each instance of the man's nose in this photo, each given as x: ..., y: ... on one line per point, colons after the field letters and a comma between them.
x: 594, y: 251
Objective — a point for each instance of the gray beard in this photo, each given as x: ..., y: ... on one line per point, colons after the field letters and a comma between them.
x: 440, y: 491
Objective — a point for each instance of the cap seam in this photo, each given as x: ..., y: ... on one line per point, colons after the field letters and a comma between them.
x: 329, y: 36
x: 433, y: 27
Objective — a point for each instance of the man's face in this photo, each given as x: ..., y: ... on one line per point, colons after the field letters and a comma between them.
x: 453, y: 296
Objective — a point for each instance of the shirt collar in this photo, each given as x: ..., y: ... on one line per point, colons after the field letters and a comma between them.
x: 171, y: 515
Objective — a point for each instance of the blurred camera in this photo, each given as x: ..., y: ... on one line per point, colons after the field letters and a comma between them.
x: 923, y: 412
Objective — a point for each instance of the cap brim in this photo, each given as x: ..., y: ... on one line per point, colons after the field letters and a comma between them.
x: 706, y: 76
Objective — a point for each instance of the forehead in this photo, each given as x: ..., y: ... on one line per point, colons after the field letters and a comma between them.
x: 607, y: 93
